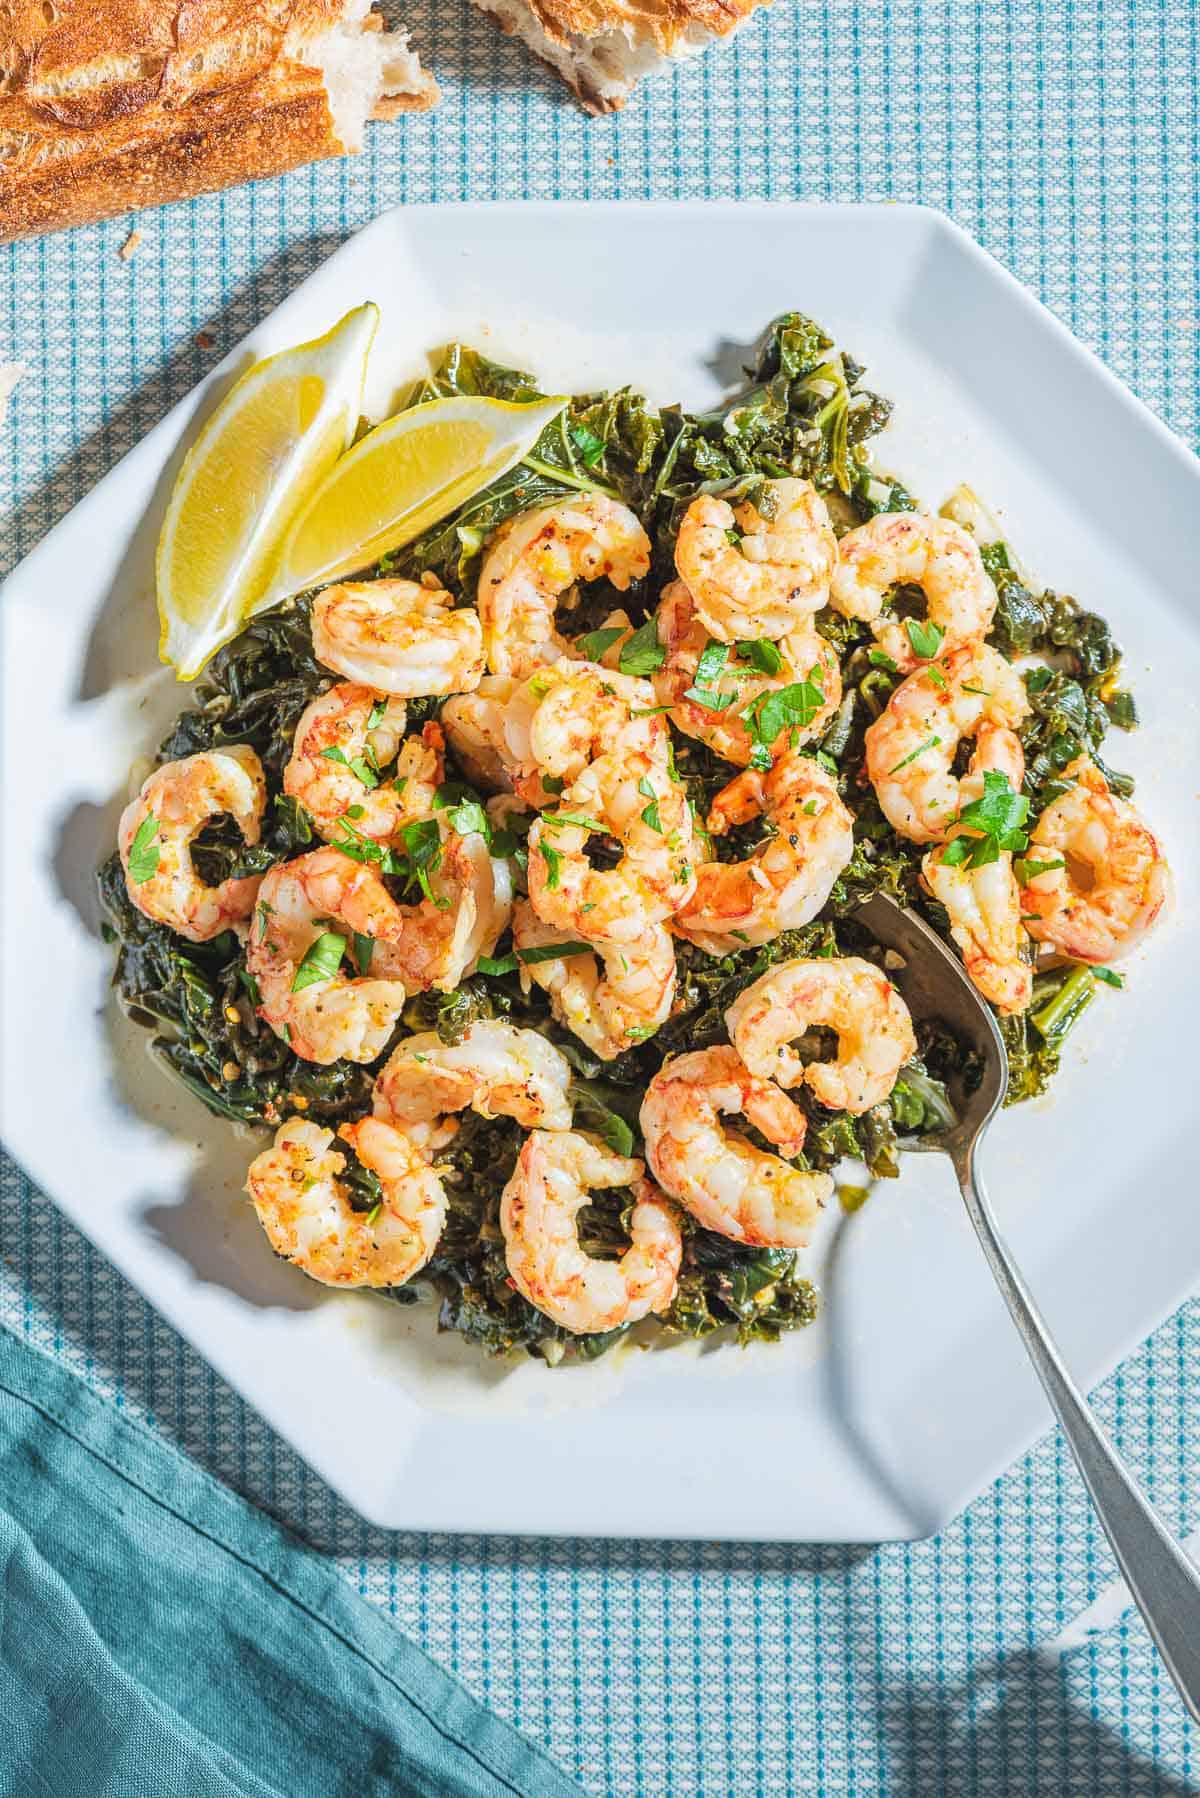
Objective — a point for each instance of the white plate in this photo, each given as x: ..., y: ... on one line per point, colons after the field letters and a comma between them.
x: 912, y: 1391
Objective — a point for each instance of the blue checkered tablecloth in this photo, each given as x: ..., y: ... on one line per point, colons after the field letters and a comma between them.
x: 1062, y: 134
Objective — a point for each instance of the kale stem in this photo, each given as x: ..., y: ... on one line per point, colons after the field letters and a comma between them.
x: 669, y: 460
x: 1063, y: 1011
x: 939, y: 1112
x: 564, y: 476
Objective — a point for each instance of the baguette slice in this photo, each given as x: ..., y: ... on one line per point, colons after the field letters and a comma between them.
x: 602, y: 48
x: 108, y: 105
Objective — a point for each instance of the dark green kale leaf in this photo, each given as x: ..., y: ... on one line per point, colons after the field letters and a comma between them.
x: 254, y: 690
x: 1067, y: 719
x: 200, y: 1002
x: 452, y: 1014
x: 758, y: 1290
x: 1028, y: 624
x: 802, y: 411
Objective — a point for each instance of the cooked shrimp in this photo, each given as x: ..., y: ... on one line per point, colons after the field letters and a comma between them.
x: 726, y: 1183
x: 804, y: 655
x: 157, y: 830
x: 463, y: 915
x: 1109, y: 881
x: 336, y: 1017
x: 497, y: 1069
x: 774, y: 573
x: 610, y: 999
x: 539, y: 1215
x: 984, y: 908
x: 789, y: 876
x: 922, y: 550
x: 585, y: 710
x: 984, y: 903
x: 342, y: 741
x: 911, y: 746
x: 847, y: 995
x: 399, y: 637
x: 537, y: 557
x: 488, y: 731
x: 509, y: 732
x: 420, y: 770
x: 304, y: 1207
x: 633, y: 798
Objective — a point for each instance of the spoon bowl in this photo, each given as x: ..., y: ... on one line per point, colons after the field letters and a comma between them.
x: 934, y: 984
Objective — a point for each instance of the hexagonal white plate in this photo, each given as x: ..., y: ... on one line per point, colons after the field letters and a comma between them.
x: 912, y: 1390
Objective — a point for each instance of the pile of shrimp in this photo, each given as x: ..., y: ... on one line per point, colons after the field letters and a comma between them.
x: 574, y: 754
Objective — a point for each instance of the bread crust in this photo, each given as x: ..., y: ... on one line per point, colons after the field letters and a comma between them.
x: 109, y: 105
x: 663, y: 25
x: 663, y: 21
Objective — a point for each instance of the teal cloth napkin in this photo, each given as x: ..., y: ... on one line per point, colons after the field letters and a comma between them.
x: 161, y: 1637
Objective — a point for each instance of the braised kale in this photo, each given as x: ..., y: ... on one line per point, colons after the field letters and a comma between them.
x: 802, y: 410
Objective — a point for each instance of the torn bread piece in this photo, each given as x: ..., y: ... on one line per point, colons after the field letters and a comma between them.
x: 111, y: 105
x: 602, y: 48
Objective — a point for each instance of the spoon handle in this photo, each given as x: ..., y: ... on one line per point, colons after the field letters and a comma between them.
x: 1162, y: 1579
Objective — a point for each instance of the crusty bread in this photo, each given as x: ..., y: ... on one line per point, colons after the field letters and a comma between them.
x: 106, y: 105
x: 602, y: 48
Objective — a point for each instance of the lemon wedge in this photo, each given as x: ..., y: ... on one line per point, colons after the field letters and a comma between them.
x: 268, y: 446
x: 402, y: 477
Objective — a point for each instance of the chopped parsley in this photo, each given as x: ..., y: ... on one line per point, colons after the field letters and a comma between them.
x: 711, y: 665
x: 994, y: 822
x: 529, y: 958
x: 144, y: 853
x: 1026, y: 871
x: 423, y: 849
x: 597, y: 643
x: 650, y: 814
x: 361, y: 848
x: 643, y: 653
x: 762, y: 654
x: 590, y: 447
x: 578, y: 820
x: 464, y: 810
x: 925, y: 636
x: 358, y: 765
x: 929, y: 743
x: 496, y: 964
x: 712, y: 702
x: 788, y: 708
x: 709, y: 669
x: 553, y: 861
x: 321, y: 960
x: 551, y: 952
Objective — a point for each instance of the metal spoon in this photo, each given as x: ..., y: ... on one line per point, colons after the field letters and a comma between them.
x: 1163, y: 1580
